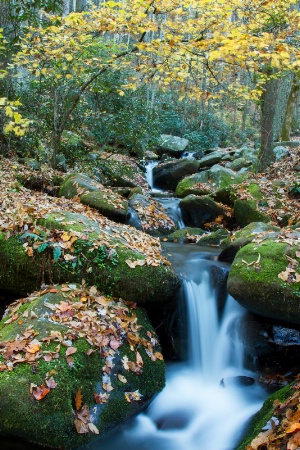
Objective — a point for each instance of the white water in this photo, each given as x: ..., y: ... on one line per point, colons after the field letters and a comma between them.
x: 195, y: 412
x: 149, y: 172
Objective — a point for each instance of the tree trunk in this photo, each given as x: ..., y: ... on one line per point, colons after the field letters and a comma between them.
x: 291, y: 105
x: 273, y: 107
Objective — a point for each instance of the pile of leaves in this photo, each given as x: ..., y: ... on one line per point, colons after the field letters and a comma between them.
x: 20, y: 208
x: 279, y: 186
x: 153, y: 217
x: 284, y: 430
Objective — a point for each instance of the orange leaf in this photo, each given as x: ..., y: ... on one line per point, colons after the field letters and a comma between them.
x: 40, y: 392
x: 78, y: 400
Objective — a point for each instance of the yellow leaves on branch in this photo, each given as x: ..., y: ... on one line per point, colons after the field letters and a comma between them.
x: 17, y: 125
x: 172, y: 41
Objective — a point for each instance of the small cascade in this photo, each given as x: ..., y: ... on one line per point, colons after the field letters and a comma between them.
x: 171, y: 206
x: 203, y: 406
x: 149, y: 172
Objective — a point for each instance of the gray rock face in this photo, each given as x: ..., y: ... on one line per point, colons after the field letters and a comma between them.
x: 211, y: 159
x: 280, y: 152
x: 168, y: 174
x: 196, y: 211
x: 172, y: 144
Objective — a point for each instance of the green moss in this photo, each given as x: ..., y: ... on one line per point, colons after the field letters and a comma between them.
x: 264, y: 415
x: 253, y: 281
x: 191, y: 185
x: 246, y: 212
x: 255, y: 191
x: 183, y: 232
x: 102, y: 265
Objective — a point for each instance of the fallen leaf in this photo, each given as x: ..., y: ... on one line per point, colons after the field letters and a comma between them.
x: 78, y: 399
x: 40, y: 392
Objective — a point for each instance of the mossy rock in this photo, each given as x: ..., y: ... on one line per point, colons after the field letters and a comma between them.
x: 223, y: 178
x: 196, y: 184
x: 246, y: 236
x: 218, y: 238
x: 76, y: 184
x: 196, y: 210
x: 122, y: 174
x: 168, y: 174
x: 49, y: 421
x: 266, y: 412
x: 110, y: 204
x: 253, y: 280
x: 246, y: 212
x: 182, y: 234
x: 99, y: 255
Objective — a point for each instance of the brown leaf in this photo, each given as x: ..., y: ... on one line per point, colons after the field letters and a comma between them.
x: 71, y: 350
x: 81, y: 427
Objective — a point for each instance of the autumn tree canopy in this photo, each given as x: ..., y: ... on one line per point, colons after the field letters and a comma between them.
x: 238, y: 44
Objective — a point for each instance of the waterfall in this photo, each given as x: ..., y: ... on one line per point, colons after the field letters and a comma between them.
x: 203, y: 406
x: 149, y: 172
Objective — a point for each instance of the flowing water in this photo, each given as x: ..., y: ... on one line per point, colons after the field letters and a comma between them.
x: 196, y: 410
x: 149, y: 172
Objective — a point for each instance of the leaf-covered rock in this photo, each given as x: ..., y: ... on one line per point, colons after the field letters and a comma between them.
x: 74, y: 364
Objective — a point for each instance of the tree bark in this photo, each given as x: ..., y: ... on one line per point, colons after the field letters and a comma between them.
x: 273, y: 107
x: 291, y: 105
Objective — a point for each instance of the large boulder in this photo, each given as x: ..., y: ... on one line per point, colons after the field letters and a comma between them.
x: 108, y: 203
x: 167, y: 175
x: 74, y: 364
x: 76, y: 184
x: 120, y: 171
x: 264, y: 278
x: 172, y: 145
x: 222, y: 177
x: 246, y: 212
x: 116, y: 258
x: 259, y: 230
x: 196, y: 184
x: 211, y: 159
x: 196, y: 210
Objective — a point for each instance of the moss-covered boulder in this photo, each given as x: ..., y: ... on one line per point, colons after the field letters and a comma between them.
x: 196, y: 210
x: 76, y: 184
x: 186, y: 234
x: 110, y: 204
x: 167, y: 175
x: 218, y: 238
x: 196, y: 184
x: 264, y: 278
x: 246, y: 212
x: 121, y: 171
x: 282, y: 407
x: 67, y: 246
x: 73, y: 365
x: 245, y: 236
x: 222, y: 177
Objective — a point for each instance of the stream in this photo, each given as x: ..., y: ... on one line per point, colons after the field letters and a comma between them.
x: 209, y: 395
x: 204, y: 406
